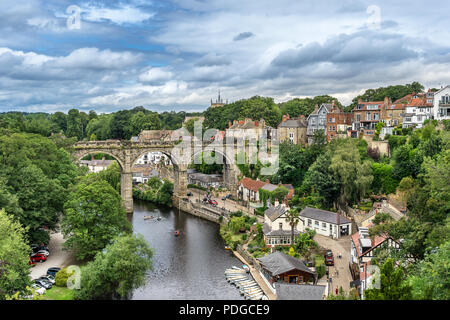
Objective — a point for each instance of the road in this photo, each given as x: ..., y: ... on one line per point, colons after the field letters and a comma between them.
x: 57, y: 258
x: 342, y: 245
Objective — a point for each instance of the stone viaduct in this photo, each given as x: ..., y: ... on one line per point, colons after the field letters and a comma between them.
x: 128, y: 152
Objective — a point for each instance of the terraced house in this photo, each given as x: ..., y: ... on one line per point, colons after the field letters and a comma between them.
x: 338, y: 123
x: 418, y: 108
x: 293, y: 130
x: 317, y: 120
x: 366, y: 115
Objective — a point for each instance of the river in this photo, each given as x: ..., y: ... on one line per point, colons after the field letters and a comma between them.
x: 190, y: 266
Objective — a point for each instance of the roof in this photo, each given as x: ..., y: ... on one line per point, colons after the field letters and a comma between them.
x: 97, y: 163
x: 207, y: 178
x: 293, y: 123
x: 287, y: 291
x: 251, y: 184
x: 267, y: 230
x: 323, y: 215
x: 369, y: 242
x: 278, y: 263
x: 269, y: 187
x: 274, y: 212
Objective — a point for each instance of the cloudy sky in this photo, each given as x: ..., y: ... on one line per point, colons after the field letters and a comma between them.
x: 176, y: 55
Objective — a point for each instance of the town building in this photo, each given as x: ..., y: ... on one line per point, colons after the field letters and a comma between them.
x: 96, y: 165
x: 324, y: 222
x: 338, y: 123
x: 279, y: 267
x: 205, y: 180
x: 441, y: 104
x: 277, y: 231
x: 143, y: 172
x: 155, y: 158
x: 418, y: 108
x: 366, y: 115
x: 238, y: 127
x: 248, y: 189
x: 317, y: 120
x: 293, y: 130
x: 361, y: 253
x: 393, y: 115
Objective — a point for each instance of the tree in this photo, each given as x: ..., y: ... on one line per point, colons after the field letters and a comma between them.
x: 392, y: 284
x: 117, y: 270
x: 14, y: 256
x: 112, y: 175
x: 383, y: 178
x: 293, y: 218
x: 74, y: 124
x: 93, y: 216
x: 430, y: 279
x: 280, y: 193
x: 144, y: 121
x: 236, y: 223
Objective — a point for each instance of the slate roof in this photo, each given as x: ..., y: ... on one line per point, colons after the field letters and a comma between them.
x: 322, y: 215
x: 269, y: 187
x: 274, y: 212
x: 278, y: 263
x: 299, y: 291
x: 267, y: 230
x: 293, y: 123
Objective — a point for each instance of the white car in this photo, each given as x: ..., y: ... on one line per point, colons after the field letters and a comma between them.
x: 44, y: 252
x: 39, y: 290
x: 49, y: 278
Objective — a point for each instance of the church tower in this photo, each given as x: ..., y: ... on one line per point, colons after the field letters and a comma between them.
x: 219, y: 102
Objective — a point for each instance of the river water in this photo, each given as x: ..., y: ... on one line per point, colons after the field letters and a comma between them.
x: 190, y: 266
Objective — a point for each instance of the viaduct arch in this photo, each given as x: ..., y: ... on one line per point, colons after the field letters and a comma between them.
x: 128, y: 152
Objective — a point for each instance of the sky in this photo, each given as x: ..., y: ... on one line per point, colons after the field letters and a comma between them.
x: 176, y: 54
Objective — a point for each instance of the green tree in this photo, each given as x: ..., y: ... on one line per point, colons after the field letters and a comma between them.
x: 14, y: 256
x: 93, y: 216
x: 293, y: 218
x: 236, y: 223
x: 117, y: 270
x: 144, y: 121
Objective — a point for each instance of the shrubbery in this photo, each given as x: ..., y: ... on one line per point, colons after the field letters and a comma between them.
x: 62, y: 276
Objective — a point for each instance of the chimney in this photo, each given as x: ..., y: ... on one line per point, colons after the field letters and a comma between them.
x: 386, y: 100
x: 92, y: 158
x: 334, y: 103
x: 284, y: 118
x: 360, y: 101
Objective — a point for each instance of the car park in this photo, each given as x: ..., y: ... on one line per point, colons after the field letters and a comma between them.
x: 37, y: 257
x: 52, y: 271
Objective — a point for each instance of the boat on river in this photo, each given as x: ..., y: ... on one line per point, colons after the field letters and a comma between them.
x: 148, y: 217
x: 176, y: 233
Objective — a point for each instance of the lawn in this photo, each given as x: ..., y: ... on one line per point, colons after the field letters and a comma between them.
x: 57, y: 293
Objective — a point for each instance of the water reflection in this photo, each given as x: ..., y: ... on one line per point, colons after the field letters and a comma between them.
x: 190, y: 266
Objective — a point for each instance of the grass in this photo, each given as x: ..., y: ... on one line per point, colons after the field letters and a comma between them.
x: 58, y: 293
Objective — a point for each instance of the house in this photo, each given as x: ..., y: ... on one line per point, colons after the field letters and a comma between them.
x: 205, y: 180
x: 338, y: 123
x: 366, y: 115
x: 154, y: 158
x: 96, y: 165
x: 326, y: 223
x: 293, y: 130
x: 300, y: 291
x: 279, y: 267
x: 441, y: 104
x: 240, y: 127
x: 361, y: 253
x: 248, y: 189
x: 418, y: 108
x: 317, y: 120
x: 143, y: 172
x: 393, y: 115
x: 277, y: 231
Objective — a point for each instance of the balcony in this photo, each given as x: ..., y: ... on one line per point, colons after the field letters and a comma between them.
x: 444, y: 104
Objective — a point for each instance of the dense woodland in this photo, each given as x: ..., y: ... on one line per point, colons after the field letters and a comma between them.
x: 41, y: 186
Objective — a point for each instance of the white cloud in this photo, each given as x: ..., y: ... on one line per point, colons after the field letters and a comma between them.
x: 121, y: 15
x: 154, y: 75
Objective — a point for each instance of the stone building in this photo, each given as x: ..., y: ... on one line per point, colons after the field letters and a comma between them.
x: 293, y: 130
x: 366, y: 115
x: 338, y: 123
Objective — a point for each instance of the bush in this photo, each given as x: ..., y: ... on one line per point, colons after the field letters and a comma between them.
x: 61, y: 277
x: 320, y: 271
x: 244, y: 236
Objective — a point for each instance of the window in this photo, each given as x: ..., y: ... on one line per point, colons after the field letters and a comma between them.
x: 358, y: 117
x: 367, y: 115
x: 376, y: 116
x: 291, y: 136
x: 324, y: 225
x: 309, y: 222
x: 316, y: 223
x: 281, y: 225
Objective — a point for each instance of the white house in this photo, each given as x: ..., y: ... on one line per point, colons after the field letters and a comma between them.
x: 326, y: 223
x: 418, y: 109
x: 96, y: 165
x: 154, y: 158
x: 277, y: 231
x: 441, y: 108
x: 361, y: 253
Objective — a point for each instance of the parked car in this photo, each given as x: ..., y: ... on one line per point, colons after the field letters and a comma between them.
x: 212, y: 202
x: 49, y: 278
x: 43, y: 283
x: 35, y: 248
x: 44, y: 252
x: 52, y: 271
x: 189, y: 194
x: 329, y: 259
x: 228, y: 196
x: 38, y: 257
x: 39, y: 290
x: 31, y: 262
